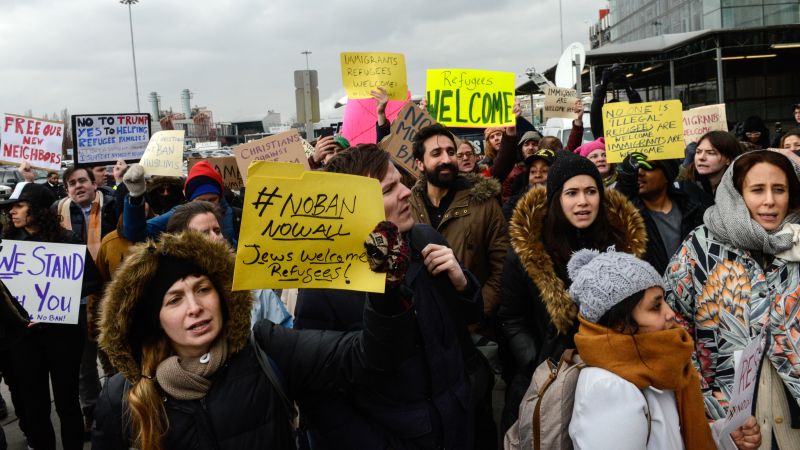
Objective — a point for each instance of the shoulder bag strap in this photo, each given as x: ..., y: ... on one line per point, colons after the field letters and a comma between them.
x: 274, y: 379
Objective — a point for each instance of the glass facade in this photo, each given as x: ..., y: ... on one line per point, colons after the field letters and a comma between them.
x: 632, y: 20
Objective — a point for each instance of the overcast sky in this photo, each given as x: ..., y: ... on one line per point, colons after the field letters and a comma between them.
x: 238, y: 56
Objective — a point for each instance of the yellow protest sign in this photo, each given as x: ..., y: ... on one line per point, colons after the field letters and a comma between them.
x: 652, y: 128
x: 364, y: 72
x: 164, y: 154
x: 471, y: 98
x: 282, y: 147
x: 306, y: 229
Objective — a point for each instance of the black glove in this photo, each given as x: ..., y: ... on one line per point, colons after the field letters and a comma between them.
x: 388, y: 252
x: 615, y: 73
x: 631, y: 164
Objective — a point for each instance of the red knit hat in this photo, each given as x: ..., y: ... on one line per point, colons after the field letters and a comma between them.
x: 202, y: 179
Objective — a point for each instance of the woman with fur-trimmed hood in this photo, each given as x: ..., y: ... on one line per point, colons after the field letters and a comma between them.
x: 574, y: 211
x: 192, y: 376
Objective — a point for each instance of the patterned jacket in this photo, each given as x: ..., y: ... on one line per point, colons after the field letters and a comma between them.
x: 726, y: 298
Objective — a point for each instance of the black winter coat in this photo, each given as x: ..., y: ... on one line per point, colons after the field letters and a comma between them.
x: 427, y: 402
x: 242, y: 410
x: 537, y: 316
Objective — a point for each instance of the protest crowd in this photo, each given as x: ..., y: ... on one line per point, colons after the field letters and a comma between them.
x: 530, y: 294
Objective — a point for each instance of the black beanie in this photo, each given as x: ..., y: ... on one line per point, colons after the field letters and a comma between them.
x: 670, y: 167
x: 566, y: 166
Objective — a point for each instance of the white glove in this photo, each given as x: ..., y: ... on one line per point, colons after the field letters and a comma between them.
x: 134, y: 180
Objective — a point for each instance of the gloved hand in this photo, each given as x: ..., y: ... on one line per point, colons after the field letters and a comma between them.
x: 134, y: 180
x: 631, y: 164
x: 388, y: 252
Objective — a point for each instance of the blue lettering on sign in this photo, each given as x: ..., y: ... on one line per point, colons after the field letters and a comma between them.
x: 10, y: 266
x: 51, y: 301
x: 63, y: 267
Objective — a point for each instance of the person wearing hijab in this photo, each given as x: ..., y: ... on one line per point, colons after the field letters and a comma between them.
x: 737, y: 275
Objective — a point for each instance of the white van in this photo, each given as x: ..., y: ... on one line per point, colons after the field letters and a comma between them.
x: 561, y: 129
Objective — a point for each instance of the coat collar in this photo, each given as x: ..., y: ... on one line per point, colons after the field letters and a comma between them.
x: 526, y: 240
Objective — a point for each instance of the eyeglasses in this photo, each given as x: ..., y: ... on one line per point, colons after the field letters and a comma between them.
x: 465, y: 155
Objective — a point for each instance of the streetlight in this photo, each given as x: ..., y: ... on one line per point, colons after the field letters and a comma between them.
x: 133, y: 51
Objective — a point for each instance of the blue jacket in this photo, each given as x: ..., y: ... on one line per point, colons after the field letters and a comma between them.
x: 136, y: 228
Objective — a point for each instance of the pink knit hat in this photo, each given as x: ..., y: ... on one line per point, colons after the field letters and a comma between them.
x: 589, y: 147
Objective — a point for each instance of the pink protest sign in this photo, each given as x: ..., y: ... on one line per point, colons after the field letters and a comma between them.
x: 358, y: 126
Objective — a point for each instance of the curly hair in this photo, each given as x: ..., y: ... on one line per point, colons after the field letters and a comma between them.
x: 45, y: 222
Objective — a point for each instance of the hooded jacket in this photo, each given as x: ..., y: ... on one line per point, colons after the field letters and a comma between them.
x: 537, y: 315
x: 475, y: 228
x: 242, y: 409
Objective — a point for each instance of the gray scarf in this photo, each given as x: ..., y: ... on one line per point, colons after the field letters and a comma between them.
x: 729, y: 221
x: 190, y: 379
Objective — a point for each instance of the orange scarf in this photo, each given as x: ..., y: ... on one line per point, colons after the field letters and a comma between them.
x: 668, y: 358
x: 93, y: 228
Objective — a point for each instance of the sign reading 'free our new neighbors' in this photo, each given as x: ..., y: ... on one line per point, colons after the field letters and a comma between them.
x: 45, y: 278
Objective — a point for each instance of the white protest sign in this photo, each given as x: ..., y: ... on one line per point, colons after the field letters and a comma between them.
x: 745, y: 382
x: 109, y: 137
x: 34, y: 140
x: 164, y: 154
x: 560, y: 102
x: 45, y: 278
x: 699, y: 121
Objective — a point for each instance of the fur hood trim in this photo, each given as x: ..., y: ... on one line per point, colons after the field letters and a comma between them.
x: 481, y: 188
x: 131, y: 281
x: 526, y: 240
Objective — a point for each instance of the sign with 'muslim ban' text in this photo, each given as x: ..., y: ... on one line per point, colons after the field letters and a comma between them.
x: 46, y: 278
x: 106, y: 138
x: 164, y: 154
x: 653, y: 128
x: 304, y: 229
x: 33, y: 140
x: 471, y: 98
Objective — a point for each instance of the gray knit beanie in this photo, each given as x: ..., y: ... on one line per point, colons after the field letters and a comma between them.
x: 601, y: 280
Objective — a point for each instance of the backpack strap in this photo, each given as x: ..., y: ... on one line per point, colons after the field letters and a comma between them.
x: 274, y: 378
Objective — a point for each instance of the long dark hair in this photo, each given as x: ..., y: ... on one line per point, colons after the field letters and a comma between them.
x: 620, y: 316
x: 45, y: 221
x: 561, y: 238
x: 726, y: 144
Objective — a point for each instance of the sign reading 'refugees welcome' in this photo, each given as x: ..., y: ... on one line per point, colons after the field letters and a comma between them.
x: 304, y: 229
x: 45, y: 278
x: 471, y: 98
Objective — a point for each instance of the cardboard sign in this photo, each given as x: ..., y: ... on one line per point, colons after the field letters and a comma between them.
x: 304, y: 229
x: 471, y: 98
x: 409, y: 120
x: 164, y: 154
x: 45, y: 278
x: 699, y: 121
x: 560, y: 102
x: 654, y: 129
x: 282, y: 147
x: 364, y: 72
x: 34, y: 140
x: 227, y: 168
x: 110, y: 137
x: 740, y: 406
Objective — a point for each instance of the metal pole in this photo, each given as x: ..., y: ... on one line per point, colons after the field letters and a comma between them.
x: 306, y: 53
x: 532, y: 120
x: 720, y: 82
x: 561, y: 25
x: 133, y: 52
x: 576, y: 63
x: 671, y: 79
x: 591, y: 79
x: 307, y: 100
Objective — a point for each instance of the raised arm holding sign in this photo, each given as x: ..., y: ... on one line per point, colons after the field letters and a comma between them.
x: 364, y: 72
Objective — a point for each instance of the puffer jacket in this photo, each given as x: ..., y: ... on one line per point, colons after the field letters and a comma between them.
x: 242, y: 409
x: 475, y: 228
x: 537, y: 315
x: 725, y: 297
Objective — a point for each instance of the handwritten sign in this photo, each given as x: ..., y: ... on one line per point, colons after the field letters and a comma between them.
x: 740, y: 406
x: 653, y: 128
x: 45, y: 278
x: 303, y: 229
x: 282, y: 147
x: 308, y: 149
x: 227, y: 168
x: 409, y: 120
x: 34, y: 140
x: 164, y: 154
x: 110, y: 137
x: 364, y: 72
x: 699, y: 121
x: 559, y: 102
x: 471, y: 98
